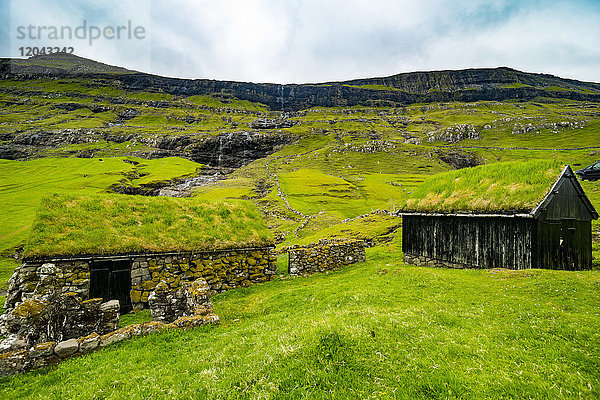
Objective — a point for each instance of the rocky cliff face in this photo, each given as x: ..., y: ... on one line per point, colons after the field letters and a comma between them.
x: 236, y: 149
x: 462, y: 85
x: 230, y: 150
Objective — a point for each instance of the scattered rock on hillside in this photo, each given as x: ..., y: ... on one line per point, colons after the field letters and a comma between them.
x: 454, y: 133
x: 458, y: 159
x: 264, y: 123
x: 553, y: 126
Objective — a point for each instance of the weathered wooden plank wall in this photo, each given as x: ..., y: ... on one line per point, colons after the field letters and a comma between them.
x: 566, y: 203
x: 565, y: 244
x: 479, y: 242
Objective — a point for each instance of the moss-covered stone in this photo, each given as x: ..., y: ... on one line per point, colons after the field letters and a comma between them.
x: 29, y: 286
x: 136, y: 296
x: 30, y: 308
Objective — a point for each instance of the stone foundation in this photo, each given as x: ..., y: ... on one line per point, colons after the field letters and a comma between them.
x: 325, y: 255
x: 424, y: 261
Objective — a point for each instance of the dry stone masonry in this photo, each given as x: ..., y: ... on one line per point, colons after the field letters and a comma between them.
x: 222, y: 270
x: 325, y: 255
x: 167, y: 305
x: 44, y: 280
x: 64, y: 316
x: 42, y: 333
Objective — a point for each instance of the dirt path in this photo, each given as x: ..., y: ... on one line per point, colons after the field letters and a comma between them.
x: 15, y: 232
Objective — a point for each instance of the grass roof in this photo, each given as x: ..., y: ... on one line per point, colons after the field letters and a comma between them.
x: 499, y: 187
x: 117, y: 224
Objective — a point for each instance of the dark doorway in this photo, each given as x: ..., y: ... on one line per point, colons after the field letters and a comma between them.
x: 111, y: 280
x: 568, y: 256
x: 550, y: 244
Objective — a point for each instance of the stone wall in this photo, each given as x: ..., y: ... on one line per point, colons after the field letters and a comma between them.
x: 91, y: 325
x: 48, y: 353
x: 223, y: 270
x: 44, y: 281
x: 325, y: 255
x: 62, y: 317
x: 167, y: 305
x: 424, y: 261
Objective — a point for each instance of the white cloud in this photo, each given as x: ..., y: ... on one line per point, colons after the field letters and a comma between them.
x: 45, y: 15
x: 557, y: 40
x: 319, y: 40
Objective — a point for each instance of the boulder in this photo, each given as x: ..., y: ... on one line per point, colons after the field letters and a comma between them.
x: 66, y: 348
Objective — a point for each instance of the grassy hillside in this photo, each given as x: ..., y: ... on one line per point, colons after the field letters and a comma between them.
x: 380, y: 329
x: 375, y: 330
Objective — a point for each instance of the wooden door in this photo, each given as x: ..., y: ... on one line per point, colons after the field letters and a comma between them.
x: 549, y: 236
x: 111, y: 280
x: 568, y: 250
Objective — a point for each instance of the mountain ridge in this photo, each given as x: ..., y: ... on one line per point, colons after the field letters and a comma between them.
x: 474, y: 84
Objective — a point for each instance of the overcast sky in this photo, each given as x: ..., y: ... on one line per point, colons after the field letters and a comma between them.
x: 297, y: 41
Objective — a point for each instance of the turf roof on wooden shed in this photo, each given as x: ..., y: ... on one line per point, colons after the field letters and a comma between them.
x: 119, y: 224
x: 507, y: 187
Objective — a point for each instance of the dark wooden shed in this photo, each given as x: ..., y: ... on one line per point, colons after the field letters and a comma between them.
x: 551, y: 231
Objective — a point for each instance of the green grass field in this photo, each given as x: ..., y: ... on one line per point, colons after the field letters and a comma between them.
x: 379, y: 329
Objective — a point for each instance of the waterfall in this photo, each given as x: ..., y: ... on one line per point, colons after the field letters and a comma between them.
x: 220, y: 156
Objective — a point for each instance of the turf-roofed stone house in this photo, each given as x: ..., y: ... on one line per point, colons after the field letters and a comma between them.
x: 121, y: 247
x: 514, y: 215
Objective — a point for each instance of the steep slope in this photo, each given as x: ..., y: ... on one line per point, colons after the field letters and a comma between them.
x: 408, y: 88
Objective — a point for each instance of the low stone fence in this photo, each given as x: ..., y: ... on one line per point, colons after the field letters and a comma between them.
x: 61, y: 317
x: 324, y: 256
x: 49, y: 353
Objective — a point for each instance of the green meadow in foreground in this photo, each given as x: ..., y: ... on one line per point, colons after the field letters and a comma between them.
x: 378, y: 330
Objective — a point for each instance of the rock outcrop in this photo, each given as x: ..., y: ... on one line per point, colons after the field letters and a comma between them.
x: 407, y: 88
